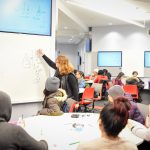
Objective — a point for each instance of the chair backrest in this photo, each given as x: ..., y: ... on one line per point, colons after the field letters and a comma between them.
x: 97, y: 87
x: 87, y: 77
x: 88, y: 93
x: 102, y: 79
x: 72, y: 107
x: 131, y: 89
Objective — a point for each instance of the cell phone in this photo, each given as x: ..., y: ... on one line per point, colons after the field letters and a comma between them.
x: 75, y: 116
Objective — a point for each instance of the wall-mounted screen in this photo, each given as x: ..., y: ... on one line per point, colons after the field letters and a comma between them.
x: 26, y: 16
x: 88, y: 45
x: 109, y: 59
x: 147, y: 59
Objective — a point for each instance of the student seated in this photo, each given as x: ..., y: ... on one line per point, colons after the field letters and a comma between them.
x: 135, y: 80
x: 80, y: 77
x: 113, y: 118
x: 134, y: 113
x: 94, y: 74
x: 54, y: 98
x: 100, y: 77
x: 13, y: 137
x: 106, y: 73
x: 141, y: 130
x: 118, y: 79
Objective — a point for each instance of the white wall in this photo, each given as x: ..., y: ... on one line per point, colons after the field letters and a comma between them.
x: 70, y: 50
x: 23, y: 40
x: 132, y: 40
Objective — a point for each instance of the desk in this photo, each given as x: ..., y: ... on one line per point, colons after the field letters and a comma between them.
x: 65, y: 133
x: 81, y: 90
x: 89, y: 81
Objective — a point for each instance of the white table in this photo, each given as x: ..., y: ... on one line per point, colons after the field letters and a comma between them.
x: 81, y: 90
x: 65, y: 133
x: 89, y: 81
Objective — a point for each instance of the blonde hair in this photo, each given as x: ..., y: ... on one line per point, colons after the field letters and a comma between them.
x: 65, y: 67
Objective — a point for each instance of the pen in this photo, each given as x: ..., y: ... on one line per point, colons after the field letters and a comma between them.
x: 74, y: 143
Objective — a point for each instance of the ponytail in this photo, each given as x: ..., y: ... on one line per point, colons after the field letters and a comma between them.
x: 114, y: 116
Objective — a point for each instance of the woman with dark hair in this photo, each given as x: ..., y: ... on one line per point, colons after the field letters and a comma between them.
x: 106, y: 73
x: 118, y: 80
x: 113, y: 118
x: 65, y: 72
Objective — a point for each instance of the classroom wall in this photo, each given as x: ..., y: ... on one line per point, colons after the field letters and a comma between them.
x: 7, y: 40
x: 70, y: 50
x: 130, y: 39
x: 25, y: 110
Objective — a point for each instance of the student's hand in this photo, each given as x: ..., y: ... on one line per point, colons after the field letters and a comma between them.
x: 130, y: 125
x: 40, y: 52
x: 76, y: 106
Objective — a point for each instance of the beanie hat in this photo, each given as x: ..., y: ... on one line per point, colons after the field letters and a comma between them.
x: 116, y: 91
x: 52, y: 84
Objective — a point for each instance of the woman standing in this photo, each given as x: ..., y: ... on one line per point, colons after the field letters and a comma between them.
x: 64, y: 71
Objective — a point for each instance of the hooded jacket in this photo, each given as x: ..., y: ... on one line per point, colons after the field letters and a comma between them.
x: 13, y: 137
x: 52, y: 103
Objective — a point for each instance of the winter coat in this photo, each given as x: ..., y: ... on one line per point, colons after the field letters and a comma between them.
x: 52, y: 103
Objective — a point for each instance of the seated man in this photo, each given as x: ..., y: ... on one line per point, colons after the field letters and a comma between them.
x: 12, y: 136
x: 134, y: 113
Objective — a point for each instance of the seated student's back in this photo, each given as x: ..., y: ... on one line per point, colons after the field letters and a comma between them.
x: 13, y: 137
x: 111, y: 123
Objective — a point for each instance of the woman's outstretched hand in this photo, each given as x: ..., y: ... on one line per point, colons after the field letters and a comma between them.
x: 39, y: 52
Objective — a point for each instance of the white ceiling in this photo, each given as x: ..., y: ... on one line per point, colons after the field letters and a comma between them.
x: 75, y: 16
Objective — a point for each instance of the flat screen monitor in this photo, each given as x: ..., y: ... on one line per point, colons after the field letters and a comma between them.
x: 109, y: 59
x: 26, y: 16
x: 147, y: 59
x: 88, y: 45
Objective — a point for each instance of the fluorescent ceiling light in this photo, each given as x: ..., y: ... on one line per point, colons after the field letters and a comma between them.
x: 118, y: 9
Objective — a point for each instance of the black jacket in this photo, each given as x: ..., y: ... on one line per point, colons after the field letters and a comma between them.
x: 13, y: 137
x: 67, y: 82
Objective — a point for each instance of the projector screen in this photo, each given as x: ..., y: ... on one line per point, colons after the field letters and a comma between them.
x: 26, y: 16
x: 109, y: 59
x: 147, y: 59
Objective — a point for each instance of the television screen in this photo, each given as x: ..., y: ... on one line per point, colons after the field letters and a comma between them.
x: 26, y: 16
x: 147, y: 59
x: 88, y: 45
x: 109, y: 59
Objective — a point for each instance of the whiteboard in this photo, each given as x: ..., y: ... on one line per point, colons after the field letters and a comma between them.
x: 22, y: 73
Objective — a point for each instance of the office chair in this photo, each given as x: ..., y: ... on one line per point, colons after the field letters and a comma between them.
x: 87, y: 97
x: 72, y: 108
x: 131, y: 89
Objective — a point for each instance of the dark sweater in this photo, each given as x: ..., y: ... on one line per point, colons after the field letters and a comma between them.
x: 67, y: 82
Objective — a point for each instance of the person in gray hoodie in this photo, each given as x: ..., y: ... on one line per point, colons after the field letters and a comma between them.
x: 134, y: 112
x: 13, y: 137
